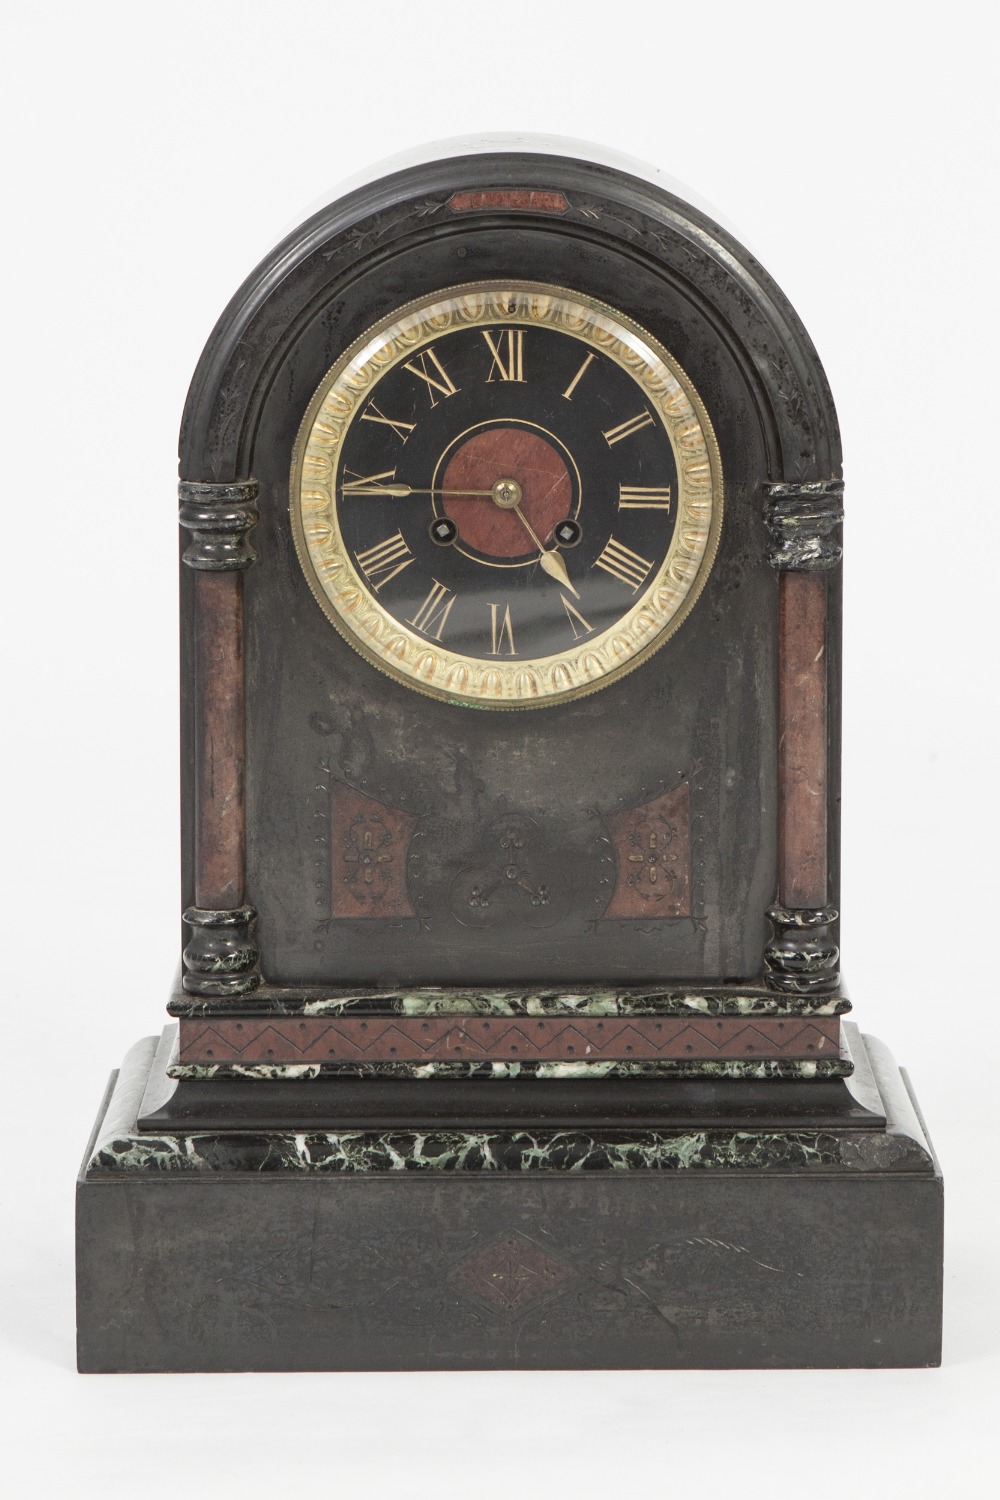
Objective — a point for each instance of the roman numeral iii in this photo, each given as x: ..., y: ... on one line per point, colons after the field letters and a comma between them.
x: 436, y: 377
x: 508, y: 359
x: 642, y: 497
x: 626, y: 429
x: 385, y: 560
x: 624, y: 564
x: 432, y: 616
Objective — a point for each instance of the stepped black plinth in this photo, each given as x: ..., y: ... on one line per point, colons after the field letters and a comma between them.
x: 795, y: 1234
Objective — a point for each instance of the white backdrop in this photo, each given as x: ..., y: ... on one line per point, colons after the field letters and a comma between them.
x: 153, y: 155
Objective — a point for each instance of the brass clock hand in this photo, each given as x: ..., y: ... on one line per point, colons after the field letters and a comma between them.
x: 402, y: 491
x: 551, y: 558
x: 506, y: 493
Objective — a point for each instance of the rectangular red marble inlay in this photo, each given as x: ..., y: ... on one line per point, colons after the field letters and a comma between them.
x: 509, y: 198
x: 368, y: 843
x: 653, y: 851
x: 289, y: 1039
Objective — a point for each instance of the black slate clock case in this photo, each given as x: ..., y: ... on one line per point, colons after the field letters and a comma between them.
x: 421, y: 1132
x: 702, y: 710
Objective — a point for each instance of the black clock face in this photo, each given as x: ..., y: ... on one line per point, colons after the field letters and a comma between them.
x: 508, y: 498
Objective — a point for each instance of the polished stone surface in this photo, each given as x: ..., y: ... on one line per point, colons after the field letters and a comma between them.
x: 686, y: 1095
x: 725, y: 1245
x: 364, y: 1039
x: 494, y: 1151
x: 508, y: 1002
x: 121, y: 1146
x: 834, y: 1067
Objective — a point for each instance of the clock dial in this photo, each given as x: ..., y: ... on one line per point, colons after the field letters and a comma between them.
x: 507, y: 495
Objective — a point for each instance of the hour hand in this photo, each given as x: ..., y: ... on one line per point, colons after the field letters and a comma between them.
x: 550, y: 559
x: 552, y: 563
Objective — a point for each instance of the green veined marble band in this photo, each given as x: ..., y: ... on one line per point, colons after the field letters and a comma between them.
x: 489, y: 1151
x: 839, y: 1067
x: 497, y: 1002
x: 428, y: 665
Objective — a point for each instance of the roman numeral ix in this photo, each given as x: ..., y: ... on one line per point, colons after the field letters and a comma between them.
x: 365, y: 482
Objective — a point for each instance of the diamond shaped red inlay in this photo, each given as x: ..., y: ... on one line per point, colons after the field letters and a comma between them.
x: 512, y: 1273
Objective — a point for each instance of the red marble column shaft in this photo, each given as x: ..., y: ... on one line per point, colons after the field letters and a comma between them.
x: 220, y: 817
x: 802, y: 743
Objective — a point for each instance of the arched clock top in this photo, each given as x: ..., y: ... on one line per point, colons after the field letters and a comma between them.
x: 467, y: 200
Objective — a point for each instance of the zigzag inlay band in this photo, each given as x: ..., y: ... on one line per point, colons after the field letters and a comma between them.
x: 522, y: 1038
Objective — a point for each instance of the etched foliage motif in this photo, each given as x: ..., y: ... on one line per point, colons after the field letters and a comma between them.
x: 369, y: 856
x: 653, y: 850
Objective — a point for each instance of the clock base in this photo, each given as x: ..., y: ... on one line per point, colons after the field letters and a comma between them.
x: 686, y: 1246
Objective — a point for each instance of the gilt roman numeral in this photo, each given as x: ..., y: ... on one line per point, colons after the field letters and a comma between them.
x: 575, y: 619
x: 624, y: 564
x: 401, y: 429
x: 436, y: 377
x: 501, y: 630
x: 568, y: 392
x: 508, y: 364
x: 431, y: 617
x: 626, y: 429
x: 643, y: 497
x: 365, y: 481
x: 385, y: 560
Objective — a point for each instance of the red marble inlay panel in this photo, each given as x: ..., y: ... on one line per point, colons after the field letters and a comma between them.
x: 511, y: 1274
x: 504, y: 1038
x: 653, y: 849
x: 514, y: 453
x: 509, y: 199
x: 368, y: 856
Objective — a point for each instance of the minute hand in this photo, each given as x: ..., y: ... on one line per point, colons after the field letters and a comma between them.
x: 551, y: 560
x: 402, y: 491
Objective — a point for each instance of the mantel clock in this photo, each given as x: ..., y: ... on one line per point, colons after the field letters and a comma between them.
x: 510, y: 1004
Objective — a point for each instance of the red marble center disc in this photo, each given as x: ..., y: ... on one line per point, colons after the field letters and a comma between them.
x: 506, y: 453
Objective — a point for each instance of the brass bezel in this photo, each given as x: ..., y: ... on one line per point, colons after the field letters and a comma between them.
x: 428, y: 666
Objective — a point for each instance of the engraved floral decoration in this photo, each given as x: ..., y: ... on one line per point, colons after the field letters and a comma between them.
x: 366, y: 853
x: 653, y: 849
x: 654, y: 855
